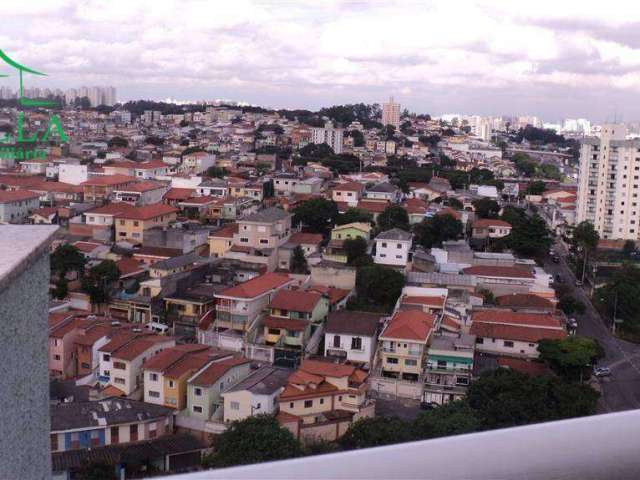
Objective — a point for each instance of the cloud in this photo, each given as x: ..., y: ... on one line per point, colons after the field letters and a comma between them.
x: 308, y: 53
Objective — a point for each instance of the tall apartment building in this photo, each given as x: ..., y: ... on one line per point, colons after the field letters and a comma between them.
x: 609, y: 183
x: 330, y: 135
x: 391, y: 113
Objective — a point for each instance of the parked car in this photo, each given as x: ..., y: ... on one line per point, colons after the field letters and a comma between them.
x: 572, y: 322
x: 559, y: 279
x: 555, y: 259
x: 428, y: 405
x: 602, y: 371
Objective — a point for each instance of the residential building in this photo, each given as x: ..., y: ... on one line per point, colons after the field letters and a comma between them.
x: 255, y: 395
x: 121, y: 360
x: 385, y: 192
x: 349, y: 193
x: 335, y: 248
x: 269, y: 228
x: 449, y: 367
x: 322, y: 399
x: 391, y: 114
x: 352, y: 336
x: 609, y: 183
x: 309, y: 242
x: 330, y: 135
x: 112, y: 421
x: 393, y: 247
x: 403, y: 344
x: 131, y: 225
x: 17, y: 205
x: 505, y: 332
x: 238, y: 307
x: 221, y: 240
x: 99, y: 189
x: 140, y: 193
x: 490, y: 228
x: 205, y: 387
x: 197, y: 162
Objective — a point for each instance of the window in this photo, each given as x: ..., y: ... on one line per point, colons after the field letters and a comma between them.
x: 153, y: 377
x: 384, y: 244
x: 290, y: 404
x: 57, y: 357
x: 356, y: 343
x: 235, y: 405
x: 154, y: 394
x: 392, y: 360
x: 119, y: 380
x: 508, y: 343
x: 153, y: 429
x: 85, y: 365
x: 480, y: 340
x: 295, y: 334
x: 410, y: 362
x: 115, y: 434
x: 308, y: 403
x: 171, y: 384
x: 322, y: 401
x: 399, y: 245
x: 264, y: 241
x: 122, y: 222
x: 197, y: 392
x: 197, y: 409
x: 106, y: 357
x: 133, y: 433
x: 54, y: 441
x: 336, y: 341
x: 442, y: 364
x: 119, y: 365
x: 274, y: 331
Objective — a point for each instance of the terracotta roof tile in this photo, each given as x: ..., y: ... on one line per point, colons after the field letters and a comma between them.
x: 147, y: 212
x: 410, y: 325
x: 512, y: 332
x: 295, y: 300
x: 213, y: 372
x: 545, y: 320
x: 498, y: 271
x: 291, y: 324
x: 257, y: 286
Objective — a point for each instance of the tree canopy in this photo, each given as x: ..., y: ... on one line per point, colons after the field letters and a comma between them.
x: 571, y: 357
x: 98, y: 281
x: 353, y: 215
x: 356, y: 249
x: 316, y: 214
x: 393, y: 216
x: 299, y: 261
x: 486, y: 208
x: 529, y: 236
x: 378, y: 287
x: 66, y: 258
x: 618, y: 298
x: 253, y: 440
x: 375, y: 432
x: 437, y: 229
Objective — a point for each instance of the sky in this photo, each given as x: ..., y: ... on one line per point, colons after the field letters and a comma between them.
x: 554, y: 59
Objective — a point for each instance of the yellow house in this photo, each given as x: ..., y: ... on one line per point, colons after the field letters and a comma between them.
x: 221, y: 240
x: 132, y: 224
x: 403, y: 341
x: 165, y: 375
x: 334, y: 251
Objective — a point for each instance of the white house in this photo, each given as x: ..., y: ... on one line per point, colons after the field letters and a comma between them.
x: 255, y: 395
x: 392, y: 247
x: 351, y: 335
x: 17, y: 205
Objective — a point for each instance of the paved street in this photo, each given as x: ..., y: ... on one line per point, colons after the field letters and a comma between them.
x: 620, y: 391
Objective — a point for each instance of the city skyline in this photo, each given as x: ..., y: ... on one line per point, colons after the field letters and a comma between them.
x: 484, y: 58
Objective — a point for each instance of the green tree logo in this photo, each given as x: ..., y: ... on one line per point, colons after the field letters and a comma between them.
x: 24, y: 101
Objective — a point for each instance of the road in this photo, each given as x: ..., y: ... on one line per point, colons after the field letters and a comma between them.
x: 620, y: 391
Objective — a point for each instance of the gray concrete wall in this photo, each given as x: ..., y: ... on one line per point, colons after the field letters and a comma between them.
x: 24, y: 376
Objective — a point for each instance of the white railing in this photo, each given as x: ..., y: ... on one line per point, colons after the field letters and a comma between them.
x: 589, y: 448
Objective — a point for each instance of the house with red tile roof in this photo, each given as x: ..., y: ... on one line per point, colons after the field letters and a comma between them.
x: 100, y: 188
x: 205, y: 386
x: 402, y: 344
x: 131, y: 225
x: 17, y: 205
x: 166, y: 374
x: 122, y: 358
x: 348, y: 192
x: 490, y: 228
x: 221, y: 240
x: 239, y: 307
x: 322, y: 399
x: 309, y: 242
x: 505, y: 332
x: 140, y: 193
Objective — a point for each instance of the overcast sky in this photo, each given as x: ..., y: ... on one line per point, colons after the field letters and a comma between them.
x: 553, y: 59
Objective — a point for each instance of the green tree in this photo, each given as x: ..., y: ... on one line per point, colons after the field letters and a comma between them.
x: 524, y: 164
x: 486, y: 208
x: 529, y: 237
x: 61, y: 288
x: 97, y: 283
x: 629, y: 248
x: 317, y: 214
x: 353, y: 215
x: 253, y: 440
x: 506, y: 398
x: 375, y: 432
x: 358, y: 138
x: 437, y: 229
x: 154, y: 140
x: 455, y: 203
x: 585, y: 241
x: 118, y: 142
x: 379, y: 286
x: 66, y: 258
x: 536, y: 188
x: 571, y: 357
x: 356, y: 249
x: 393, y: 216
x: 299, y: 261
x: 570, y: 305
x: 618, y: 298
x: 217, y: 172
x: 452, y: 418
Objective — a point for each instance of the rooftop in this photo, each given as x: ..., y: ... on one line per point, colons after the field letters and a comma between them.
x: 267, y: 215
x: 264, y: 381
x: 348, y: 322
